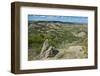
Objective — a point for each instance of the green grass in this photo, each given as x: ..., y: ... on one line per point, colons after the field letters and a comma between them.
x: 56, y: 37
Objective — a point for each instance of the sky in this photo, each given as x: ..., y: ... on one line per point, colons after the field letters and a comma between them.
x: 73, y: 19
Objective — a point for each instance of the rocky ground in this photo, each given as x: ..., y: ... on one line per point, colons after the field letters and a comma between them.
x: 57, y: 40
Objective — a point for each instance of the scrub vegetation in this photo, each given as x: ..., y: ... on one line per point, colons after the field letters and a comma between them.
x: 57, y: 40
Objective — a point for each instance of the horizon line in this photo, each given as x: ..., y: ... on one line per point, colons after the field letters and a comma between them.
x: 72, y: 19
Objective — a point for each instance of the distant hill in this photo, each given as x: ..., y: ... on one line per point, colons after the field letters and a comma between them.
x: 76, y: 23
